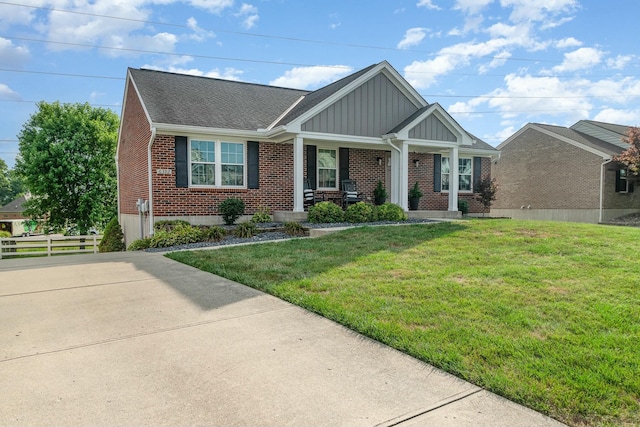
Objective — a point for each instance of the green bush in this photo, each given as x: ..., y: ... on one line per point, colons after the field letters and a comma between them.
x: 231, y: 209
x: 112, y: 239
x: 215, y: 233
x: 169, y: 224
x: 4, y: 234
x: 140, y: 244
x: 325, y: 212
x: 294, y: 228
x: 390, y: 212
x: 463, y: 206
x: 180, y: 235
x: 246, y: 230
x: 359, y: 212
x: 261, y: 216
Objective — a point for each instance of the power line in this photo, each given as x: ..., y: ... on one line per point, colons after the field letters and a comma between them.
x: 288, y: 38
x: 61, y: 74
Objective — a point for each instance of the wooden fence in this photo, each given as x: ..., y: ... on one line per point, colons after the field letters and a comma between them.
x: 48, y: 245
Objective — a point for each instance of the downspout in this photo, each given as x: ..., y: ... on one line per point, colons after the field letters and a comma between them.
x: 150, y: 212
x: 600, y: 214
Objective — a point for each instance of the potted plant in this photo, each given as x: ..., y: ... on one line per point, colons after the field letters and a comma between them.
x: 414, y: 197
x: 379, y: 194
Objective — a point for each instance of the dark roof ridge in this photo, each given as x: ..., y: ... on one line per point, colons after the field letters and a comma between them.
x: 219, y: 79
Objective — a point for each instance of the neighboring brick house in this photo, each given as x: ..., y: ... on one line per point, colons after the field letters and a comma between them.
x: 187, y: 143
x: 564, y: 174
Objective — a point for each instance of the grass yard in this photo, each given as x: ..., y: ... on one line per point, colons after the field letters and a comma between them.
x: 545, y: 314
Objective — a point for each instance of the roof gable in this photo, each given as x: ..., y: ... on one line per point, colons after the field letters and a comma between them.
x: 180, y: 99
x: 607, y: 132
x: 569, y: 136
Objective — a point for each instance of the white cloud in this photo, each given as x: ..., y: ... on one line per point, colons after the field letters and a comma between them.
x: 199, y: 34
x: 428, y: 4
x: 6, y: 93
x: 620, y: 61
x: 311, y: 77
x: 623, y: 117
x: 412, y: 37
x: 536, y: 10
x: 12, y: 55
x: 472, y: 7
x: 585, y: 57
x: 498, y: 60
x: 568, y: 42
x: 226, y: 74
x: 213, y: 6
x: 249, y: 15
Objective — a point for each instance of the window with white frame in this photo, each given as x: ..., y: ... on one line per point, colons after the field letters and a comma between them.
x: 216, y: 163
x: 327, y: 168
x: 465, y: 173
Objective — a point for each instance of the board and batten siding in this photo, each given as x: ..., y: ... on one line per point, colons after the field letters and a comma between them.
x: 431, y: 128
x: 372, y: 110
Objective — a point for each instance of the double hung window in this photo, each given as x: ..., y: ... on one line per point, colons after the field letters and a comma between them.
x: 465, y: 173
x: 217, y: 163
x: 327, y: 168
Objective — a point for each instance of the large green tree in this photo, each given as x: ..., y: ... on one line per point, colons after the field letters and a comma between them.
x: 10, y: 184
x: 67, y: 161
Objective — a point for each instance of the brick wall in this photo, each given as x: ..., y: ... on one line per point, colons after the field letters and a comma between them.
x: 439, y: 201
x: 543, y: 172
x: 132, y: 154
x: 275, y: 192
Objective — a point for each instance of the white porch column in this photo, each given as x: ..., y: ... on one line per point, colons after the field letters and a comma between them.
x: 298, y: 174
x: 453, y: 179
x: 404, y: 176
x: 394, y: 186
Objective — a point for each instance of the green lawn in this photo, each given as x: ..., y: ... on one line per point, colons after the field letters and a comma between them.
x: 545, y: 314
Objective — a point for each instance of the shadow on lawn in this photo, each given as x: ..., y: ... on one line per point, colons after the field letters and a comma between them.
x: 267, y: 265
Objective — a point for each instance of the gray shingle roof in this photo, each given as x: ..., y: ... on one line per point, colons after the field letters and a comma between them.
x: 583, y: 138
x: 619, y: 129
x: 182, y: 99
x: 14, y: 206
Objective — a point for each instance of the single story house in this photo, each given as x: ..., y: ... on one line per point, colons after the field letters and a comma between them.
x: 187, y: 143
x: 12, y: 216
x: 564, y: 174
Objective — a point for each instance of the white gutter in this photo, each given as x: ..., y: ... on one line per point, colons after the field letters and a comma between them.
x: 602, y: 188
x: 150, y: 213
x: 199, y: 130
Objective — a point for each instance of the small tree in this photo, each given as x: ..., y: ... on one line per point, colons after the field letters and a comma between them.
x: 486, y: 191
x: 631, y: 156
x: 113, y: 238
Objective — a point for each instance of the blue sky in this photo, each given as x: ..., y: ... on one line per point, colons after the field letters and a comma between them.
x: 495, y: 65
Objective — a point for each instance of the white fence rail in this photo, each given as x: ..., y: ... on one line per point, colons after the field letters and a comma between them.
x: 48, y: 245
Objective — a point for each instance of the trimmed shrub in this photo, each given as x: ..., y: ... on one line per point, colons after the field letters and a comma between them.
x: 359, y: 212
x: 180, y: 235
x: 294, y: 228
x: 169, y: 224
x: 390, y: 212
x: 215, y: 233
x: 5, y: 234
x: 261, y: 216
x: 325, y: 212
x: 231, y: 209
x: 246, y: 230
x: 463, y: 206
x: 140, y: 244
x: 113, y: 238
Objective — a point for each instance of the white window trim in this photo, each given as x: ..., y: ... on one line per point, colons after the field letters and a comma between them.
x: 218, y: 163
x: 470, y: 191
x: 626, y: 181
x: 337, y: 187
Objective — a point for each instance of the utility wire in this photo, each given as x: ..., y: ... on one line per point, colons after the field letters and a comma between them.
x: 285, y: 38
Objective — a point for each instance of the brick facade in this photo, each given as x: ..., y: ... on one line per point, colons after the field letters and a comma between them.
x: 135, y: 133
x: 538, y: 171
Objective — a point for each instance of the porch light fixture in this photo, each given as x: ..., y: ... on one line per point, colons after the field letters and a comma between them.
x: 416, y: 162
x: 379, y: 160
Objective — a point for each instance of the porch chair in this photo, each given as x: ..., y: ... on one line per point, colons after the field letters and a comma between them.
x: 350, y: 193
x: 311, y: 196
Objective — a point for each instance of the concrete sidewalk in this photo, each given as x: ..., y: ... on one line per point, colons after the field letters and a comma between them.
x: 138, y: 339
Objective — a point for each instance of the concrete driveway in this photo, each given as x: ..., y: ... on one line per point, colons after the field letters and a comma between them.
x: 138, y: 339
